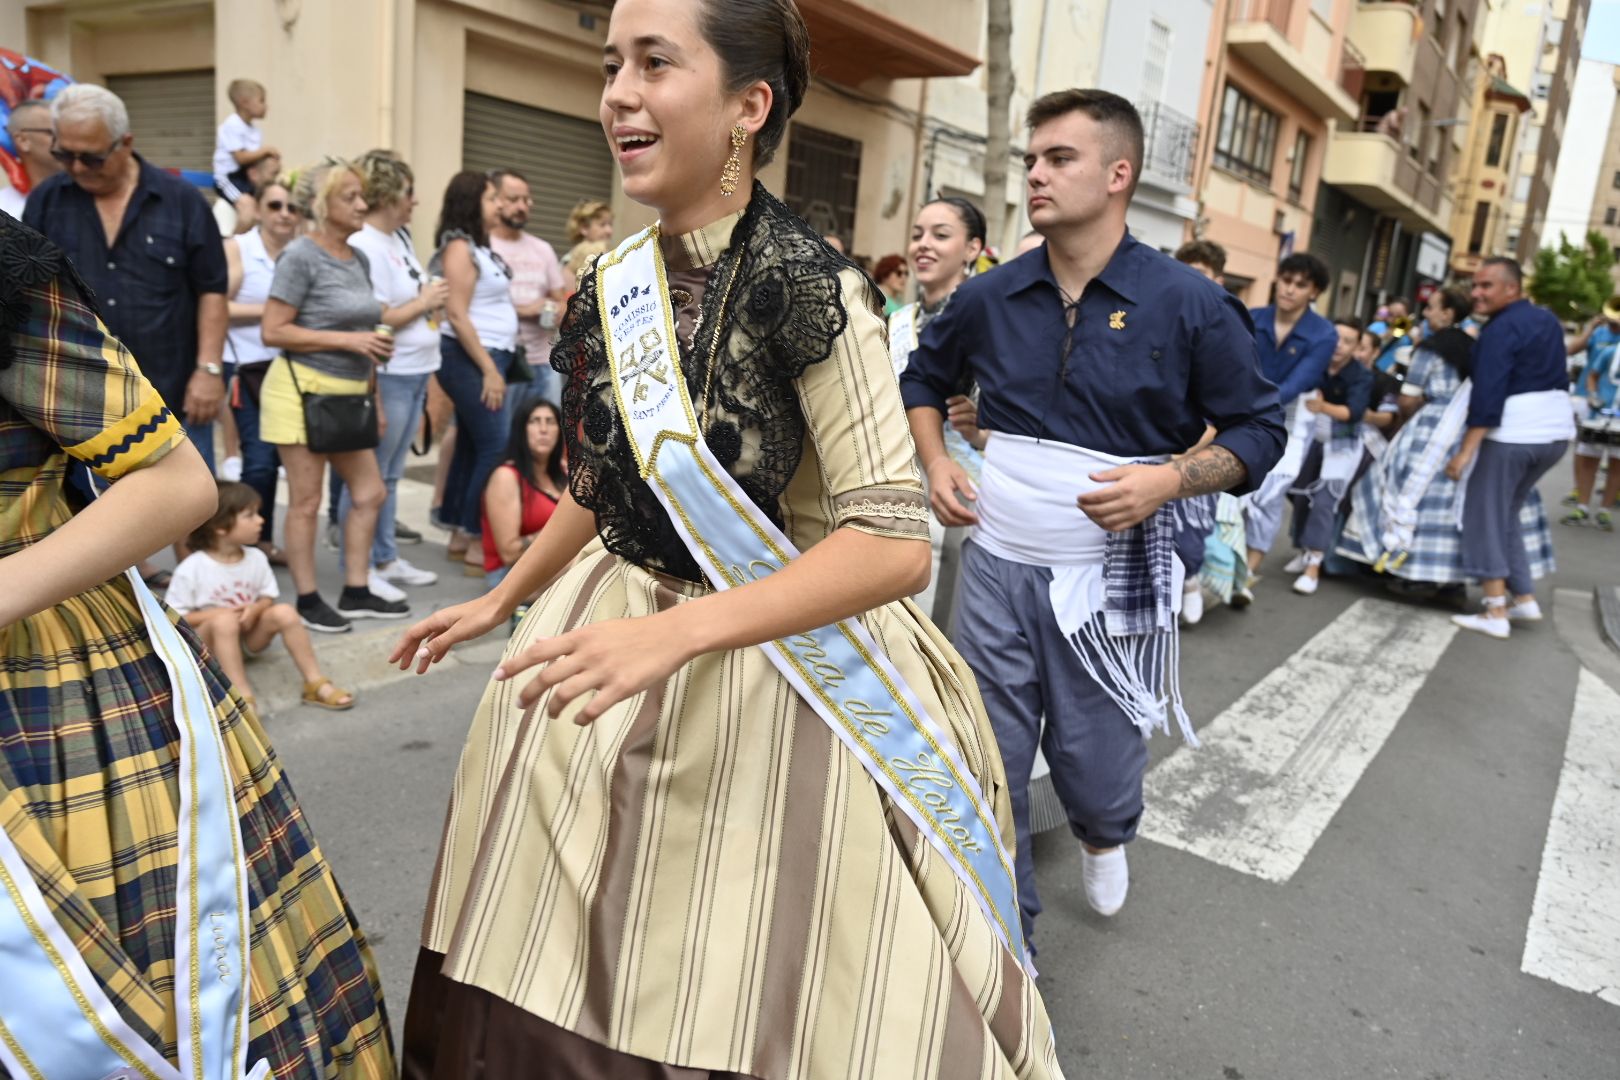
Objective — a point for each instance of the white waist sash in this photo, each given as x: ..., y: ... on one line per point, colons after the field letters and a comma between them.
x: 1539, y: 417
x: 838, y: 670
x: 1028, y: 514
x: 56, y: 1022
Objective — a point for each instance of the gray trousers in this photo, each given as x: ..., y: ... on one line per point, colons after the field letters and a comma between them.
x: 1027, y: 671
x: 1492, y: 539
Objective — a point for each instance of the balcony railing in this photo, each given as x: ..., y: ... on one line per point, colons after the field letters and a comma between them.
x: 1169, y: 143
x: 1275, y: 12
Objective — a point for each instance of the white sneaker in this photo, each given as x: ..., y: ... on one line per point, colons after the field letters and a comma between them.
x: 1306, y: 585
x: 1192, y: 606
x: 1529, y: 611
x: 1484, y: 624
x: 230, y: 470
x: 401, y: 572
x: 381, y: 589
x: 1107, y: 879
x: 1296, y: 565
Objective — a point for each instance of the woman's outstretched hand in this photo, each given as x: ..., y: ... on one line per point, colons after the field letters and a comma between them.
x: 617, y: 660
x: 430, y: 640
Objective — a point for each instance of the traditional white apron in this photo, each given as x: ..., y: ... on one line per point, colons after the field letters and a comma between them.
x: 838, y: 669
x: 56, y: 1022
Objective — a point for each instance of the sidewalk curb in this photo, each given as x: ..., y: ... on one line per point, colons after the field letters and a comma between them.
x: 1608, y: 603
x: 356, y: 661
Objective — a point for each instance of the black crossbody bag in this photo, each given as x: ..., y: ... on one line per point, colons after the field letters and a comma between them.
x: 338, y: 423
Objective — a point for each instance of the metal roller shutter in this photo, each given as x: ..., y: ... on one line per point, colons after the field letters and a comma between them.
x: 565, y: 159
x: 172, y: 116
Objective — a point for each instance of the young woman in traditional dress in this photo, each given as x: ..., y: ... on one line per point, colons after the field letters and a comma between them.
x: 161, y: 893
x: 723, y: 811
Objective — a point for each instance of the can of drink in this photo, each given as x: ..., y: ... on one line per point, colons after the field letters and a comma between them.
x: 548, y: 315
x: 384, y: 329
x: 433, y: 316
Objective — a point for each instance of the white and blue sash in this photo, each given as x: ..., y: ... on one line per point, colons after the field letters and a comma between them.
x: 56, y: 1022
x: 838, y: 669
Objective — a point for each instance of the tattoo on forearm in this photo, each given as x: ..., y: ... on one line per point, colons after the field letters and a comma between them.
x: 1212, y: 469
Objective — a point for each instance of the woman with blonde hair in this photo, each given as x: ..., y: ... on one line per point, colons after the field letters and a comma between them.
x: 590, y: 231
x: 323, y: 315
x: 409, y: 298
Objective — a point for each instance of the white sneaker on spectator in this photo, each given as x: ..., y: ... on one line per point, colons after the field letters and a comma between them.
x: 1528, y: 611
x: 1306, y: 585
x: 381, y: 589
x: 1499, y: 629
x: 231, y: 470
x: 1107, y: 879
x: 401, y: 572
x: 1296, y: 565
x: 1192, y: 605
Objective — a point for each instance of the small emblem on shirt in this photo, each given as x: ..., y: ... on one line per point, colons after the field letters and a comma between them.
x: 1116, y: 321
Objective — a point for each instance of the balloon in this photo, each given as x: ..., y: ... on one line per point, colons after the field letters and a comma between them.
x: 22, y: 79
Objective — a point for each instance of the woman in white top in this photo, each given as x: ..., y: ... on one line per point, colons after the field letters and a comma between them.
x: 251, y: 259
x: 409, y: 299
x: 477, y: 342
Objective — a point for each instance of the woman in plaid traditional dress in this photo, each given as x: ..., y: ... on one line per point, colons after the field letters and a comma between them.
x: 1437, y: 371
x: 89, y: 788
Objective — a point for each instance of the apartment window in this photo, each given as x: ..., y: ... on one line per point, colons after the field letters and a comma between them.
x: 1296, y: 171
x: 1521, y: 189
x: 1323, y: 9
x: 1493, y: 151
x: 1542, y: 85
x: 1476, y: 235
x: 1616, y: 181
x: 1155, y: 61
x: 823, y: 180
x: 1608, y: 216
x: 1248, y: 138
x: 1416, y: 140
x: 1459, y: 38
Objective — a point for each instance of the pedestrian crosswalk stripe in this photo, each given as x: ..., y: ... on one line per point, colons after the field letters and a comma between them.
x: 1574, y: 933
x: 1276, y: 766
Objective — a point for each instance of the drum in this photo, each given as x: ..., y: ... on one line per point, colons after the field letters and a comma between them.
x: 1600, y: 430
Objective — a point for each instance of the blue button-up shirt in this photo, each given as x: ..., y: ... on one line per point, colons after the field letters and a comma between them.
x: 1520, y: 351
x: 1157, y: 350
x: 1297, y: 363
x: 168, y: 252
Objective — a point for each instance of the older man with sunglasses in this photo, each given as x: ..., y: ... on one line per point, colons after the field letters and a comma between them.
x: 146, y: 242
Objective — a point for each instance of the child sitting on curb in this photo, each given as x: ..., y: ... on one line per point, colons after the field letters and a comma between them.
x: 226, y: 590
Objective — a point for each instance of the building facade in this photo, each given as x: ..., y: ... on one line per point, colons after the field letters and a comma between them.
x: 1604, y: 216
x: 1577, y: 203
x: 1540, y: 44
x: 1482, y: 180
x: 1278, y: 75
x: 1391, y: 165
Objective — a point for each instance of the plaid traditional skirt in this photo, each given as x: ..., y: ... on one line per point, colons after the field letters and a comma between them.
x: 1436, y: 552
x: 89, y: 793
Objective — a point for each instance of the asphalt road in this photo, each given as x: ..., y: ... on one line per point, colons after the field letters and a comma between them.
x: 1396, y: 946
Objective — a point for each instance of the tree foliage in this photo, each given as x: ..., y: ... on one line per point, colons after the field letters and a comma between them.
x: 1574, y: 281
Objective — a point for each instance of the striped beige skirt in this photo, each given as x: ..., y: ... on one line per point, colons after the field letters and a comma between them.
x: 706, y: 878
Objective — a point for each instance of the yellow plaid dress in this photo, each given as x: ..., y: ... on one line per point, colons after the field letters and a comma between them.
x: 88, y: 775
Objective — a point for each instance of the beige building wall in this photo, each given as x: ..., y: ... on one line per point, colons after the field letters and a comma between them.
x: 1606, y: 199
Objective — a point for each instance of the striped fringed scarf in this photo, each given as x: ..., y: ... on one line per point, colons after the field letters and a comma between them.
x: 1132, y: 647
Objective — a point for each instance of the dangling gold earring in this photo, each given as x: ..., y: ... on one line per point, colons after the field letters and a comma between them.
x: 733, y: 170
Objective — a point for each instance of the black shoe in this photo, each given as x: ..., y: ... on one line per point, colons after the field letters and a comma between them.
x: 404, y: 534
x: 364, y: 604
x: 320, y: 618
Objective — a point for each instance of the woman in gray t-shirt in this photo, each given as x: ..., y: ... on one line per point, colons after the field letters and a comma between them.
x: 322, y: 315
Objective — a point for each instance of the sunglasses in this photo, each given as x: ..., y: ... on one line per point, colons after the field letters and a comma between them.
x: 276, y: 206
x: 89, y: 161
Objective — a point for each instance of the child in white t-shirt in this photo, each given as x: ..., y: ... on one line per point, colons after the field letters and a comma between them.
x: 227, y: 592
x: 239, y: 146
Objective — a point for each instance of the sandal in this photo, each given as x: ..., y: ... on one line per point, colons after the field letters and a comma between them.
x: 339, y: 700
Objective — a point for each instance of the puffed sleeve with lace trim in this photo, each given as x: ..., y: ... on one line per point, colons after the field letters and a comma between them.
x: 64, y: 373
x: 853, y: 412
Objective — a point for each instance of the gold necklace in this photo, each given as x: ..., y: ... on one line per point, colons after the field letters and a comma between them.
x: 714, y: 342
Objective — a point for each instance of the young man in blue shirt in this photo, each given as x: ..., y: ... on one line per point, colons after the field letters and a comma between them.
x: 1295, y: 346
x: 1097, y: 358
